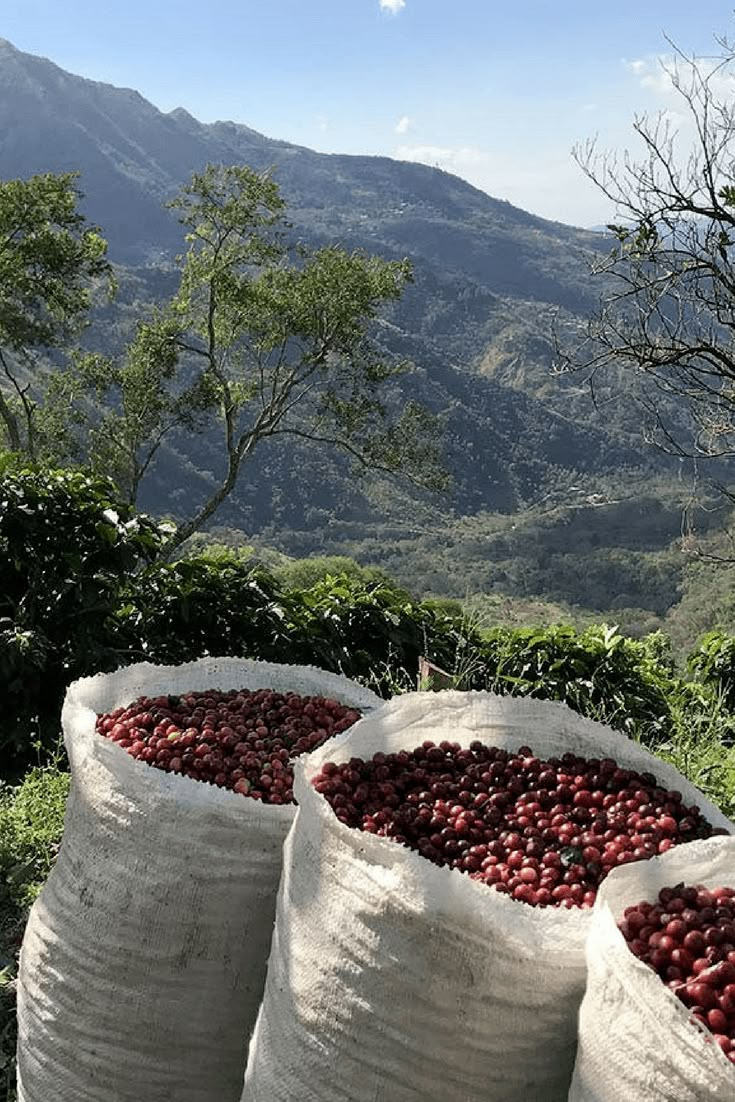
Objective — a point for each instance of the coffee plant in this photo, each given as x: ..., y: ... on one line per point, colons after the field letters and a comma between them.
x: 713, y: 664
x: 66, y: 545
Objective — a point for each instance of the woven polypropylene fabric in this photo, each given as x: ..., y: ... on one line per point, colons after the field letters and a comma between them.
x: 636, y: 1040
x: 144, y: 959
x: 392, y: 979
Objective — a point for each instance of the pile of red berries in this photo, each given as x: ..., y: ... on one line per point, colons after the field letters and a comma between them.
x: 242, y: 740
x: 545, y: 832
x: 688, y: 938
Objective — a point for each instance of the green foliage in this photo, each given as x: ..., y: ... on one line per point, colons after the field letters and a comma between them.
x: 66, y: 546
x: 699, y: 744
x: 206, y: 605
x: 344, y: 622
x: 47, y: 255
x: 713, y: 663
x: 219, y: 542
x: 304, y: 573
x: 31, y: 824
x: 149, y: 404
x: 600, y: 673
x: 358, y: 627
x: 48, y: 258
x: 8, y: 1035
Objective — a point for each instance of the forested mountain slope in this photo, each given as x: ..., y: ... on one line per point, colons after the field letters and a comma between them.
x: 476, y: 323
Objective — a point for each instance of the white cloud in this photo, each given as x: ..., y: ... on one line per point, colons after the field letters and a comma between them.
x: 446, y: 157
x: 403, y: 125
x: 322, y: 122
x: 547, y: 183
x: 653, y: 72
x: 660, y: 83
x: 657, y: 73
x: 393, y: 6
x: 675, y: 120
x: 668, y: 83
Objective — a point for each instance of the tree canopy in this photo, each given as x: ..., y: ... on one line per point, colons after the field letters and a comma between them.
x: 263, y: 338
x: 49, y: 259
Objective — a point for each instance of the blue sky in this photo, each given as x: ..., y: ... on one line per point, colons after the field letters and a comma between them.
x: 497, y: 92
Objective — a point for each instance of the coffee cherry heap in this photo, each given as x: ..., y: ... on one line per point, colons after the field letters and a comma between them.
x: 545, y: 832
x: 688, y: 938
x: 242, y: 740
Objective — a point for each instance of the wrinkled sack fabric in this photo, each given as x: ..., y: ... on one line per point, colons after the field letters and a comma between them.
x: 636, y: 1040
x: 392, y: 979
x: 144, y: 959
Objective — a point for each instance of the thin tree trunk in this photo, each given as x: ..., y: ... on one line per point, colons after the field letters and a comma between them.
x: 11, y: 425
x: 182, y: 534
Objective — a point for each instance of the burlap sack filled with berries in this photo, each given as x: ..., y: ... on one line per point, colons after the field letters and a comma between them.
x: 397, y: 977
x: 639, y: 1039
x: 144, y: 958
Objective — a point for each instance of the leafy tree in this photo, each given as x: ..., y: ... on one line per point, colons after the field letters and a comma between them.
x: 667, y: 311
x: 49, y: 260
x: 261, y: 340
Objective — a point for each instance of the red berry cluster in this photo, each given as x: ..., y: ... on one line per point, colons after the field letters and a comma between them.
x: 545, y: 832
x: 688, y: 938
x: 242, y: 740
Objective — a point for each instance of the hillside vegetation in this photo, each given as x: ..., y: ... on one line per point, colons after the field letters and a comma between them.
x: 490, y: 282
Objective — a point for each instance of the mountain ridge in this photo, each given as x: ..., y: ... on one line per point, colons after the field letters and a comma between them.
x: 482, y: 267
x: 221, y: 134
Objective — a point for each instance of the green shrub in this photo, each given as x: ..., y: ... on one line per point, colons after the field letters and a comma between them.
x: 305, y: 573
x: 713, y: 664
x: 31, y: 823
x: 699, y: 745
x: 176, y: 612
x: 604, y: 675
x: 368, y: 630
x: 66, y: 546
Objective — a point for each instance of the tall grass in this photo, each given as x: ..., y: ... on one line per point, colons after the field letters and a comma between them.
x: 701, y: 745
x: 31, y: 824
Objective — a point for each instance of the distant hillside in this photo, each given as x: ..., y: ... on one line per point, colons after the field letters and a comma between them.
x: 132, y: 156
x: 490, y: 278
x: 476, y: 257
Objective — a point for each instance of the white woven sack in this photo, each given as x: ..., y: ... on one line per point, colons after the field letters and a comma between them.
x: 392, y: 979
x: 144, y: 959
x: 636, y: 1040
